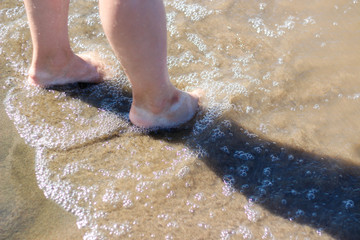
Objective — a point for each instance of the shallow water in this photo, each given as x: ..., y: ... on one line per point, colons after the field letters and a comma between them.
x: 274, y: 152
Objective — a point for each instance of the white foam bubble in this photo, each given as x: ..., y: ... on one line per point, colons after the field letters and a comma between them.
x: 64, y: 123
x: 195, y: 12
x: 274, y: 31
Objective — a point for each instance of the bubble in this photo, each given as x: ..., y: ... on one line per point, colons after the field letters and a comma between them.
x: 275, y: 31
x: 262, y: 6
x: 226, y: 123
x: 195, y: 12
x: 253, y: 199
x: 319, y: 231
x: 171, y: 27
x: 228, y: 188
x: 267, y: 171
x: 204, y: 225
x: 261, y: 191
x: 183, y: 172
x: 170, y: 194
x: 249, y: 110
x: 117, y: 229
x: 163, y: 216
x: 309, y: 20
x: 241, y: 230
x: 225, y: 234
x: 263, y: 128
x: 258, y: 149
x: 240, y: 67
x: 300, y: 213
x: 242, y: 170
x: 200, y: 196
x: 197, y: 41
x: 316, y: 106
x: 143, y: 186
x: 183, y: 60
x: 225, y: 149
x: 229, y: 180
x: 354, y: 96
x: 243, y: 155
x: 208, y: 75
x: 274, y: 158
x: 216, y: 134
x: 64, y: 123
x: 252, y: 213
x: 92, y: 19
x: 311, y: 194
x: 173, y: 224
x: 348, y: 204
x: 192, y: 206
x: 267, y: 234
x: 267, y: 183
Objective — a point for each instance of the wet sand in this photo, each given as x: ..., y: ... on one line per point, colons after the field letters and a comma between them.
x: 273, y: 154
x: 25, y: 212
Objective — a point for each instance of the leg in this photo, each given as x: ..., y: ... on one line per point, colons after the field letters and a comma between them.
x: 136, y: 30
x: 53, y: 60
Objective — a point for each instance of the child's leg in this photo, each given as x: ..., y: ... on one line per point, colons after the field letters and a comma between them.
x: 136, y: 30
x: 53, y: 60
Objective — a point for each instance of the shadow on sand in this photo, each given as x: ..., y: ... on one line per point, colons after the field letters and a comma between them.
x: 318, y: 191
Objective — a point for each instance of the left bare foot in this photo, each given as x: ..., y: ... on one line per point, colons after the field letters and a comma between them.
x: 86, y: 68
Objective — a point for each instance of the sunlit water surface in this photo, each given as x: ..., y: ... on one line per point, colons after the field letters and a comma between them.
x: 274, y: 152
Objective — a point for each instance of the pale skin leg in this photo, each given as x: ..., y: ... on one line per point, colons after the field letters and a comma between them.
x: 53, y: 61
x: 136, y: 30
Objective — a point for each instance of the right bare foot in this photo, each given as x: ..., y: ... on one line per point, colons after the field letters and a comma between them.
x: 180, y: 109
x: 86, y: 68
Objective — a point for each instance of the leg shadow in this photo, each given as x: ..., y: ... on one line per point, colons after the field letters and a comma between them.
x: 109, y: 95
x: 310, y: 189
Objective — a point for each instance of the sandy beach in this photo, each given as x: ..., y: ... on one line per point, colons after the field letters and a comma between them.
x: 274, y: 152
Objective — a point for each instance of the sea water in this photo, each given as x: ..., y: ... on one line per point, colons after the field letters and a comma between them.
x: 274, y: 152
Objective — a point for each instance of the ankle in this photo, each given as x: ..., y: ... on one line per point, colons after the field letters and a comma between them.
x: 46, y: 65
x: 157, y: 103
x: 52, y: 61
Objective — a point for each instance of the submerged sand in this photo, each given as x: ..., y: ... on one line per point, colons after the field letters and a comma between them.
x: 273, y: 154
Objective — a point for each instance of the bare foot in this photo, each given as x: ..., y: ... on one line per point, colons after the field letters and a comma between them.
x: 180, y: 109
x: 80, y: 68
